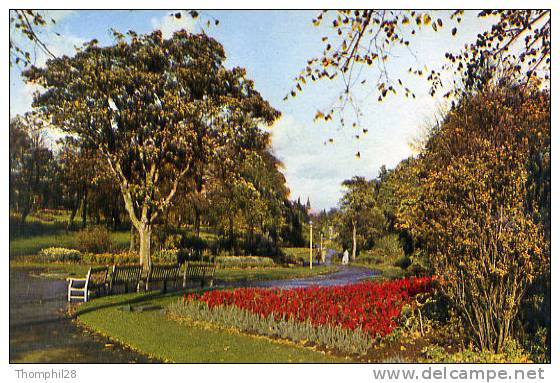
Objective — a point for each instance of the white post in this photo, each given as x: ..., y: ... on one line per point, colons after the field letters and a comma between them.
x: 310, y: 245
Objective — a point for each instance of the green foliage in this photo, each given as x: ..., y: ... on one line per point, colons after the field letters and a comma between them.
x: 471, y: 211
x: 166, y: 256
x: 384, y: 256
x: 59, y: 254
x: 361, y: 220
x: 512, y: 353
x: 30, y: 245
x: 128, y: 257
x: 33, y: 226
x: 537, y: 346
x: 167, y: 236
x: 169, y: 98
x: 271, y: 273
x: 30, y: 165
x: 403, y: 262
x: 386, y: 247
x: 123, y: 258
x: 345, y: 340
x: 396, y: 359
x: 94, y: 239
x: 242, y: 262
x: 295, y: 255
x: 417, y: 270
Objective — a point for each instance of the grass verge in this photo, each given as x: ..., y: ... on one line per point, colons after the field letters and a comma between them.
x: 30, y: 245
x: 385, y: 270
x: 155, y: 334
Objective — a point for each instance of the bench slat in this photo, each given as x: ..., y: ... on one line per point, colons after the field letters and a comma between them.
x: 200, y: 272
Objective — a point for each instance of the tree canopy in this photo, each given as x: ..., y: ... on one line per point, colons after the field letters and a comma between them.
x: 153, y: 107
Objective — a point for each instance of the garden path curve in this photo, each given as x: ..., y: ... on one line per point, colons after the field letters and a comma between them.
x: 342, y: 276
x: 40, y: 330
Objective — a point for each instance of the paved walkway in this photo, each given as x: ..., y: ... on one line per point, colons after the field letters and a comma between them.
x: 344, y: 275
x: 41, y: 332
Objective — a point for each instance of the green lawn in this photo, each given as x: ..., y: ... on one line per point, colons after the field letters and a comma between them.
x: 31, y: 245
x: 155, y: 334
x: 386, y: 270
x: 271, y: 273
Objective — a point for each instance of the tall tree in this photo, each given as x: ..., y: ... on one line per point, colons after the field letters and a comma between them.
x: 78, y: 165
x: 485, y: 241
x: 358, y: 208
x: 141, y: 103
x: 30, y: 164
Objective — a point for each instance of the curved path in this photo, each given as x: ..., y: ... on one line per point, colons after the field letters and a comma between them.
x: 40, y: 330
x: 344, y: 275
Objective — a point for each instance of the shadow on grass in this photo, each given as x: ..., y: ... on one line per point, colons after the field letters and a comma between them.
x: 141, y: 297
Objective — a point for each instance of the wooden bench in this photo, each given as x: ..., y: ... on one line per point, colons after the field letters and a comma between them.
x: 164, y: 274
x: 199, y: 271
x: 125, y: 276
x: 95, y: 280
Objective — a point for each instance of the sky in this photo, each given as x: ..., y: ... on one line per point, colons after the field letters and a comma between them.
x: 274, y: 46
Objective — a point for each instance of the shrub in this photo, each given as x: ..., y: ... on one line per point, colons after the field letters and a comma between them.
x: 165, y: 256
x: 94, y: 239
x: 512, y: 353
x: 165, y: 236
x: 295, y: 255
x: 242, y: 262
x: 386, y: 248
x: 111, y: 258
x: 476, y: 205
x: 403, y: 262
x: 59, y: 254
x: 538, y: 346
x: 192, y: 242
x: 33, y: 227
x: 416, y: 270
x: 260, y: 246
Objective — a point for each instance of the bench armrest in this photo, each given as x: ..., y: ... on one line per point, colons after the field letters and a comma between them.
x: 76, y: 279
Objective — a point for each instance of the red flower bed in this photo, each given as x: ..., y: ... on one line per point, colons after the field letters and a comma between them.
x: 373, y: 306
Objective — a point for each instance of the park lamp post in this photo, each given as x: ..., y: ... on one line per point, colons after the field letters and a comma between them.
x: 310, y: 245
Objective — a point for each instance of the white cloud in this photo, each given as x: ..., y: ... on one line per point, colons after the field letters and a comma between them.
x: 168, y: 24
x: 317, y: 170
x: 313, y: 169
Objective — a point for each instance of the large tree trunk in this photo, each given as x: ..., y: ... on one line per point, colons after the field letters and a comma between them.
x: 145, y: 234
x: 353, y: 241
